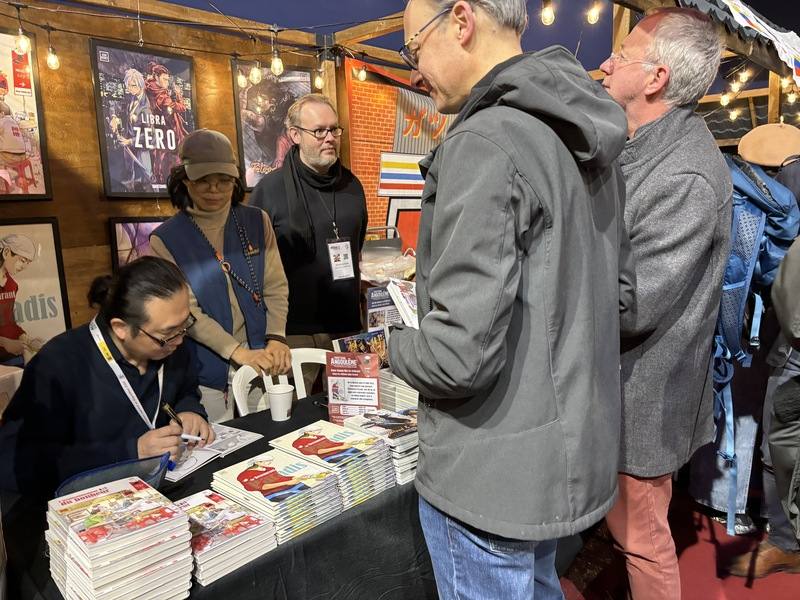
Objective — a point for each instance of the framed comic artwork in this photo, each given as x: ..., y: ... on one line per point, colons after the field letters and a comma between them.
x: 33, y: 293
x: 130, y: 238
x: 260, y: 113
x: 23, y: 168
x: 145, y: 106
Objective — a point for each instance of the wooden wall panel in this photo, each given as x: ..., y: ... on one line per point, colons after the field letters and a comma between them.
x: 73, y: 151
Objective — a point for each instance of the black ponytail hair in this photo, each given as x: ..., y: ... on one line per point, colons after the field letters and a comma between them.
x: 123, y: 296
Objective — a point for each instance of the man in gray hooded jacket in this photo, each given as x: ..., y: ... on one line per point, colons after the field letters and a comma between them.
x: 518, y: 290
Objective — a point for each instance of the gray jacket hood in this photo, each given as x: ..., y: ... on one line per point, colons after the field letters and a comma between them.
x: 552, y: 85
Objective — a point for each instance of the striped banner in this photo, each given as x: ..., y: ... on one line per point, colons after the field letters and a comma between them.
x: 400, y: 176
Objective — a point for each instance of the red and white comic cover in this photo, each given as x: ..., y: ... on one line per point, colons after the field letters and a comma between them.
x: 352, y: 384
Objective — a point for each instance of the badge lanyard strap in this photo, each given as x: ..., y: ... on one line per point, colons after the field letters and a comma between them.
x: 123, y: 381
x: 332, y: 215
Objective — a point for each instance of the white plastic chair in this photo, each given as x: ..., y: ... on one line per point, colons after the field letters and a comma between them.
x: 247, y: 393
x: 301, y: 356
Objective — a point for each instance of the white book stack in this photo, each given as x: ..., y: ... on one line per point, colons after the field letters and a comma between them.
x: 291, y: 492
x: 362, y: 463
x: 225, y: 535
x: 396, y: 395
x: 119, y: 541
x: 399, y: 430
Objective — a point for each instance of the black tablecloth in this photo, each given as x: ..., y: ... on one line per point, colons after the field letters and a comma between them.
x: 374, y: 550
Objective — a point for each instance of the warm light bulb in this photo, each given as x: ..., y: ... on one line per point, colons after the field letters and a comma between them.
x: 733, y: 115
x: 277, y: 64
x: 736, y: 87
x: 744, y: 76
x: 593, y: 16
x: 548, y: 15
x: 22, y: 43
x: 725, y: 99
x: 362, y: 73
x: 791, y: 97
x: 319, y: 81
x: 256, y: 75
x: 241, y: 80
x: 53, y: 61
x: 785, y: 81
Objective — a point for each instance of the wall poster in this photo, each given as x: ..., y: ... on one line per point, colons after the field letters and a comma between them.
x: 33, y: 294
x: 130, y: 238
x: 23, y: 172
x: 145, y: 106
x: 260, y: 113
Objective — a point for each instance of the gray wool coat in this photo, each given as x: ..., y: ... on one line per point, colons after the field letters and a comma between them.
x: 678, y: 216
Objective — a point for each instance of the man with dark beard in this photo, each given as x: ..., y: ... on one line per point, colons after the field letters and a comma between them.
x: 319, y: 213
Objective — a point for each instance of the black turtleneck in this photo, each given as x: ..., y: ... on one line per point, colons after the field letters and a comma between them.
x: 300, y: 203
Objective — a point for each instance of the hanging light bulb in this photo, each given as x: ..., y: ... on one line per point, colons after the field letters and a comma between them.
x: 276, y: 66
x: 319, y: 80
x: 744, y: 76
x: 241, y: 80
x: 22, y: 43
x: 53, y: 61
x: 725, y: 99
x: 733, y: 115
x: 256, y: 74
x: 785, y: 81
x: 548, y: 13
x: 791, y: 97
x: 736, y: 87
x: 362, y: 73
x: 593, y: 15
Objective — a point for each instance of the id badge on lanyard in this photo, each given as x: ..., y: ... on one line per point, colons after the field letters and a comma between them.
x: 340, y: 254
x: 123, y: 381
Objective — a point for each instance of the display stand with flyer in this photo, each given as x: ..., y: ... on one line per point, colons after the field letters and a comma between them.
x: 352, y: 384
x: 376, y: 342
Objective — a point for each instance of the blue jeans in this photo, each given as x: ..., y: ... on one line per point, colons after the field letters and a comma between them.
x: 470, y: 564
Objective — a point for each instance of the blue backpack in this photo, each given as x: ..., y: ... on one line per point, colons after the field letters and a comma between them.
x: 765, y: 222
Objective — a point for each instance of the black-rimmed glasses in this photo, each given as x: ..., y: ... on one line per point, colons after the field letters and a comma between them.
x: 408, y: 55
x: 182, y: 332
x: 322, y: 133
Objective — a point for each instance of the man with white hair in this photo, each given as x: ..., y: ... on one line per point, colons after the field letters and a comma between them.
x: 516, y: 358
x: 678, y: 217
x: 17, y: 251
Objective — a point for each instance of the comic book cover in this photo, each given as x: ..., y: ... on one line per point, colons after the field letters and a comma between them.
x: 328, y: 445
x: 395, y: 427
x: 404, y: 295
x: 374, y: 342
x: 381, y: 311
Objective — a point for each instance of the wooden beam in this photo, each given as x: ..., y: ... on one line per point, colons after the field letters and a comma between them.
x: 390, y: 56
x: 367, y: 31
x: 597, y: 74
x: 753, y: 115
x: 621, y: 27
x: 754, y: 93
x: 774, y: 103
x: 728, y: 142
x: 168, y: 10
x: 643, y: 6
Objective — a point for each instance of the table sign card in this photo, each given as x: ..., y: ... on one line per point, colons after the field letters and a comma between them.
x: 352, y: 384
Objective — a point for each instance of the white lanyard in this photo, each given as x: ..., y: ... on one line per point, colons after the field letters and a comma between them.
x: 123, y: 381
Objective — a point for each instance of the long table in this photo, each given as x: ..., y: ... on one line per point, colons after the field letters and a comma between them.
x: 374, y: 550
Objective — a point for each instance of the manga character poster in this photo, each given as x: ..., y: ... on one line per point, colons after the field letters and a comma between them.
x: 130, y: 238
x: 23, y: 173
x: 145, y: 107
x: 33, y: 296
x: 260, y: 114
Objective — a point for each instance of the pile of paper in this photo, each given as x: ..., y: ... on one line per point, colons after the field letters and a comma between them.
x: 289, y: 491
x: 362, y: 463
x: 399, y: 431
x: 396, y: 395
x: 225, y: 535
x: 119, y: 541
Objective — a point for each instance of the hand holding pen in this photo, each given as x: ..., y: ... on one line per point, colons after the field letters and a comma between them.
x: 194, y: 428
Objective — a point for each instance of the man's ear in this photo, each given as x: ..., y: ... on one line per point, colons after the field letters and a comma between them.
x: 659, y: 78
x: 463, y: 16
x: 294, y: 135
x: 121, y: 329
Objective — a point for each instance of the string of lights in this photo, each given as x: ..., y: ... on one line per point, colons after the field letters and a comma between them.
x: 548, y: 13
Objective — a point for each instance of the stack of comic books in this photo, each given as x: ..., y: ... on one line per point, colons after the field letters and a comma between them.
x: 404, y: 296
x: 225, y: 535
x: 117, y: 541
x: 362, y: 463
x: 289, y: 491
x: 396, y: 395
x: 227, y: 440
x: 399, y: 430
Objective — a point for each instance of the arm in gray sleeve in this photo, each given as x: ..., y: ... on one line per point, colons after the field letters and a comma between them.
x: 786, y: 295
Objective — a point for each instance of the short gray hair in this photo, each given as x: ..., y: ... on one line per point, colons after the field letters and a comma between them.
x: 132, y: 75
x: 687, y: 42
x: 508, y: 13
x: 295, y: 110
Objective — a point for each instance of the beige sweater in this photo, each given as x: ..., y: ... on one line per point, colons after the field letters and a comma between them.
x: 276, y: 291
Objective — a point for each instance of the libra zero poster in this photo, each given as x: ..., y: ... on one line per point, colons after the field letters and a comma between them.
x: 145, y: 107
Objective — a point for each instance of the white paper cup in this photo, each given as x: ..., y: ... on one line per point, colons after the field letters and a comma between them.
x: 280, y: 401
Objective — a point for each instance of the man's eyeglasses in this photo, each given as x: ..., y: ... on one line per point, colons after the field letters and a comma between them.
x: 408, y: 55
x: 222, y: 183
x: 322, y: 133
x: 179, y: 334
x: 619, y: 59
